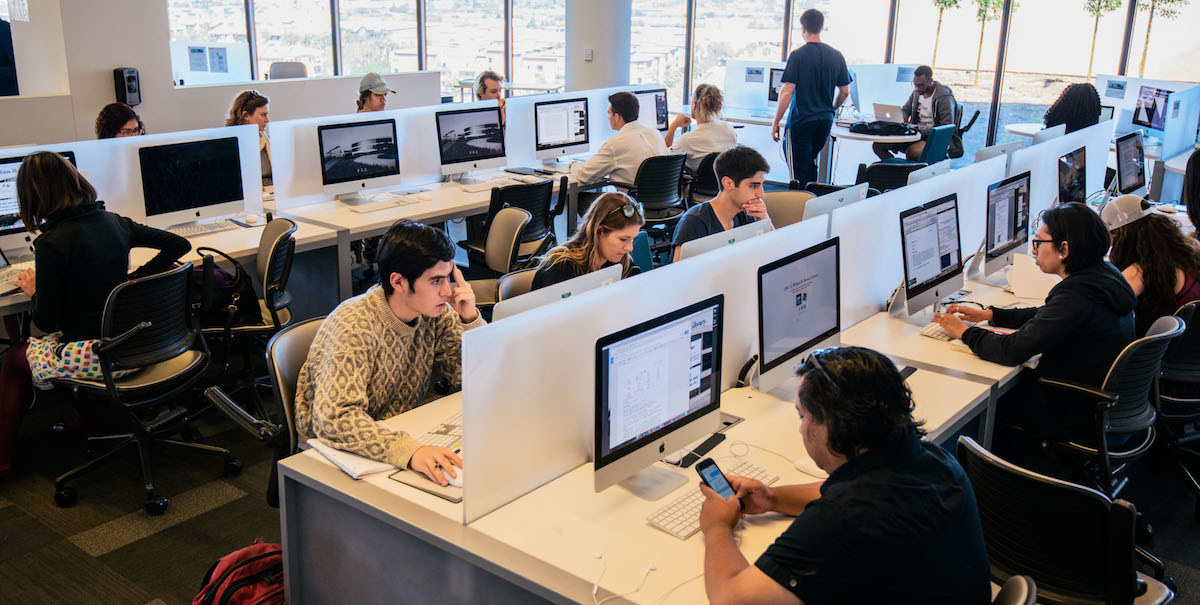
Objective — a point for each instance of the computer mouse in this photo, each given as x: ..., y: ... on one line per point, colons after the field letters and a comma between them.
x: 424, y: 197
x: 810, y: 468
x: 252, y: 219
x: 531, y: 179
x: 457, y: 480
x: 1168, y: 208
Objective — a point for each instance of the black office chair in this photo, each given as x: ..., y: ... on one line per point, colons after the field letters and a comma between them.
x: 1075, y: 542
x: 1179, y: 401
x: 703, y: 185
x: 886, y: 176
x: 819, y: 189
x: 960, y: 130
x: 658, y: 186
x: 148, y: 324
x: 539, y: 234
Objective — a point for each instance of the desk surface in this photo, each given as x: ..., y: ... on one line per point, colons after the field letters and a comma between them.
x: 1178, y: 164
x: 843, y: 132
x: 1025, y: 129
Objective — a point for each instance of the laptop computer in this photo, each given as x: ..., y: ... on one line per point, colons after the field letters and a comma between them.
x: 889, y: 113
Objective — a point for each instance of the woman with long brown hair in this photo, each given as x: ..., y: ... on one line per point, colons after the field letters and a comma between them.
x: 605, y: 237
x: 249, y: 107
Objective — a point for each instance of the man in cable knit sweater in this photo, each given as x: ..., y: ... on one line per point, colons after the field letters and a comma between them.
x: 376, y: 355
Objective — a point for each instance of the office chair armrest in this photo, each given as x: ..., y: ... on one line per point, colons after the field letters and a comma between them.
x: 108, y: 343
x: 1151, y: 561
x: 1078, y: 388
x: 264, y: 431
x: 561, y: 205
x: 625, y: 186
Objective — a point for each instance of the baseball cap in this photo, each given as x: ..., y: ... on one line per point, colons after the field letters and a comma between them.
x: 374, y: 83
x: 1124, y: 210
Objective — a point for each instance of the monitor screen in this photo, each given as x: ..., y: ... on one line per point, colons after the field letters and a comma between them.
x: 929, y: 236
x: 798, y: 303
x: 652, y: 108
x: 776, y: 85
x: 1072, y: 176
x: 1151, y: 108
x: 1106, y: 112
x: 1131, y: 163
x: 183, y: 176
x: 1007, y: 215
x: 10, y: 214
x: 657, y: 377
x: 357, y: 151
x: 469, y: 135
x: 560, y: 123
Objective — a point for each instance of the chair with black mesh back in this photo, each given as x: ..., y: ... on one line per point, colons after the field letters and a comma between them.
x: 658, y: 186
x: 819, y: 189
x: 704, y: 185
x: 539, y: 234
x: 1179, y: 401
x: 886, y: 176
x: 148, y: 324
x: 1076, y: 543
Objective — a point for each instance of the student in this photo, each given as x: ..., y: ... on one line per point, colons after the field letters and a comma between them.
x: 711, y: 134
x: 1078, y: 106
x: 377, y: 354
x: 812, y: 72
x: 118, y: 120
x: 487, y: 88
x: 619, y: 157
x: 605, y: 237
x: 1160, y: 263
x: 931, y: 104
x: 372, y: 93
x: 1191, y: 192
x: 741, y: 172
x: 895, y: 522
x: 249, y: 107
x: 81, y: 254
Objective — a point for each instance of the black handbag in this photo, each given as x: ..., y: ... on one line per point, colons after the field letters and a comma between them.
x: 883, y: 129
x: 223, y: 299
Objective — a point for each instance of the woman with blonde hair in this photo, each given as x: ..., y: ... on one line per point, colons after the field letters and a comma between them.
x: 249, y: 107
x: 605, y: 237
x: 711, y: 134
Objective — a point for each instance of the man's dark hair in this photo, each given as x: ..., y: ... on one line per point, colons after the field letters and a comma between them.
x: 860, y: 398
x: 624, y: 104
x: 1087, y: 238
x: 813, y: 20
x: 410, y: 249
x: 924, y: 70
x: 740, y: 163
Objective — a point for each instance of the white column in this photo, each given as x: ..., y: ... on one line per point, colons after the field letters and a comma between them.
x: 601, y: 28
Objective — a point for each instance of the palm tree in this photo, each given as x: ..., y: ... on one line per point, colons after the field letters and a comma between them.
x: 986, y: 10
x: 1097, y: 8
x: 1168, y: 9
x: 941, y: 5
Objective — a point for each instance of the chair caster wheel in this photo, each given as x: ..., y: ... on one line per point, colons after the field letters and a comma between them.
x: 233, y: 467
x: 191, y: 434
x: 155, y: 506
x: 65, y: 497
x: 1169, y: 582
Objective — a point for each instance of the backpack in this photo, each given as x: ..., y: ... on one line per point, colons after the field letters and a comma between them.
x: 880, y: 128
x: 221, y: 299
x: 249, y: 576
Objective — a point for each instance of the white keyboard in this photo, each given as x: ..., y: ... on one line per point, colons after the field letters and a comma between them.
x: 10, y: 273
x: 476, y: 188
x: 681, y: 518
x: 447, y: 434
x: 935, y: 331
x: 203, y: 228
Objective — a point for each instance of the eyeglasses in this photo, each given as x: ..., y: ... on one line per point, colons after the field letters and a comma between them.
x: 814, y: 359
x: 129, y: 132
x: 628, y: 209
x: 1038, y: 242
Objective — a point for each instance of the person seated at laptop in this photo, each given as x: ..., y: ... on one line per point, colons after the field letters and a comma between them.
x: 1161, y: 264
x: 741, y: 172
x: 931, y: 104
x: 711, y: 134
x: 619, y: 157
x: 1078, y: 106
x: 895, y: 522
x: 604, y: 238
x: 118, y: 120
x: 377, y: 354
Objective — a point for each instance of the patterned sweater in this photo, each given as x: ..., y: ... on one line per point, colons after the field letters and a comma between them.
x: 367, y: 365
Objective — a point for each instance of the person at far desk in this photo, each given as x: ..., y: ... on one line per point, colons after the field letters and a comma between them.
x: 1086, y: 321
x: 377, y: 354
x: 372, y: 93
x: 619, y: 157
x: 741, y: 172
x: 118, y: 120
x: 895, y: 522
x: 249, y: 107
x: 931, y: 104
x: 604, y: 238
x: 487, y: 88
x: 711, y: 134
x: 1078, y: 106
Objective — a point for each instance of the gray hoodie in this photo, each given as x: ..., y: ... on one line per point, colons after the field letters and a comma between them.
x: 944, y: 107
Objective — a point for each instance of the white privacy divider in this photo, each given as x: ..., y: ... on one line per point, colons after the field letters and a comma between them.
x: 529, y: 381
x: 1041, y: 161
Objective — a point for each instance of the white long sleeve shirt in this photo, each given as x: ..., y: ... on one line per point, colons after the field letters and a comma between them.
x: 710, y: 137
x: 620, y: 156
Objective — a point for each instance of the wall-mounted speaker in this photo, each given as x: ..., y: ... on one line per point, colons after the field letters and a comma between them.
x: 128, y: 89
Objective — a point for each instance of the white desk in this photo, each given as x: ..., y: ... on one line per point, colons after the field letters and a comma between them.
x: 824, y: 165
x: 1178, y: 164
x: 1025, y: 129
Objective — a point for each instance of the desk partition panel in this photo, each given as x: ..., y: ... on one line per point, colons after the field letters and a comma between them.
x: 1183, y: 117
x: 1041, y: 161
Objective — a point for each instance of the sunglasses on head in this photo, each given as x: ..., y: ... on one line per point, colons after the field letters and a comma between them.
x: 628, y: 210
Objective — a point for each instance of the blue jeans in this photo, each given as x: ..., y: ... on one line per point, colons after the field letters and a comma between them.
x: 802, y: 143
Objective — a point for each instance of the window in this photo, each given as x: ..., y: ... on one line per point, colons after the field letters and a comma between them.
x: 208, y: 41
x: 293, y: 30
x: 463, y: 38
x: 728, y: 29
x: 1165, y: 45
x: 857, y: 29
x: 378, y: 36
x: 539, y: 42
x: 656, y: 41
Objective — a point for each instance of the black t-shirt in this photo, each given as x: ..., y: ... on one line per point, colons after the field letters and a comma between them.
x: 548, y: 275
x: 898, y: 524
x: 816, y: 69
x: 700, y: 221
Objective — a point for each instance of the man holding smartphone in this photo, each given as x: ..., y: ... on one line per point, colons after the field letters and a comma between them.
x: 895, y: 522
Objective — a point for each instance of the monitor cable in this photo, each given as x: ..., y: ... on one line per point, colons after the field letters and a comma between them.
x: 745, y: 374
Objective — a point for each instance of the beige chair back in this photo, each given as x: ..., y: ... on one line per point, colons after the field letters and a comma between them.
x: 786, y: 207
x: 516, y: 283
x: 504, y: 237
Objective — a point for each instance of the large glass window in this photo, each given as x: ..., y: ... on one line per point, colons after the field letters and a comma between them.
x: 857, y: 29
x: 539, y: 42
x: 463, y: 38
x: 1165, y: 44
x: 378, y: 36
x: 657, y: 37
x: 293, y: 30
x: 735, y: 29
x: 208, y: 41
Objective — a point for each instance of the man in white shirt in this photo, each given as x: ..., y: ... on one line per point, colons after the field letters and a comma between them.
x: 930, y: 104
x: 619, y: 157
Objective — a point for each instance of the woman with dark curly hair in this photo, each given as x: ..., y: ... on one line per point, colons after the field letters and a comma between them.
x: 1078, y: 107
x: 118, y: 120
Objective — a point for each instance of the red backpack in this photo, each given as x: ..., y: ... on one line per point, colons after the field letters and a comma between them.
x: 249, y: 576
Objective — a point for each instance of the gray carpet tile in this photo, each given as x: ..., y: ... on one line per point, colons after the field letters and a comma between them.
x: 20, y: 533
x: 61, y: 573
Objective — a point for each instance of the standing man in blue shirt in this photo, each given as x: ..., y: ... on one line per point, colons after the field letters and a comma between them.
x: 812, y: 73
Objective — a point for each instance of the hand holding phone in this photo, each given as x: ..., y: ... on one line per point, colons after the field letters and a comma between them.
x: 715, y: 479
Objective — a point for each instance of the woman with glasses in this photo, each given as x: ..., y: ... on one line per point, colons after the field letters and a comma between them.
x: 605, y: 237
x: 249, y: 107
x: 118, y: 120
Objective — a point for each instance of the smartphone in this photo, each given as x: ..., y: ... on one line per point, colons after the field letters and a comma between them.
x: 714, y: 478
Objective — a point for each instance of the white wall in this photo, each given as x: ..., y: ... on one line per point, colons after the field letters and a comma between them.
x: 38, y: 46
x: 601, y: 26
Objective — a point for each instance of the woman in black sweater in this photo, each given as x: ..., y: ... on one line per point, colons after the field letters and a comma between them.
x: 604, y: 238
x: 80, y: 256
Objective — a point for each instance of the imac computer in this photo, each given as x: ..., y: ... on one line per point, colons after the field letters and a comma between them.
x: 470, y: 139
x: 1106, y: 112
x: 928, y: 172
x: 1003, y: 149
x: 186, y: 182
x: 554, y: 292
x: 709, y: 243
x: 358, y: 157
x: 1131, y: 165
x: 1049, y: 133
x: 1072, y: 176
x: 799, y: 307
x: 652, y: 108
x: 933, y: 263
x: 826, y: 204
x: 560, y: 128
x: 1007, y: 228
x: 1151, y: 108
x: 776, y: 85
x: 658, y: 388
x: 13, y: 235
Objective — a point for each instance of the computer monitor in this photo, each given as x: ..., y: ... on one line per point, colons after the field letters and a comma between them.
x: 799, y: 305
x: 932, y: 253
x: 652, y: 107
x: 1131, y: 164
x: 1151, y: 108
x: 709, y: 243
x: 184, y: 182
x: 10, y: 215
x: 560, y: 128
x: 1106, y: 112
x: 1003, y: 149
x: 554, y: 292
x: 658, y: 388
x: 1007, y: 229
x: 826, y: 204
x: 775, y: 86
x: 358, y: 157
x: 1049, y: 133
x: 1072, y: 176
x: 928, y: 172
x: 470, y: 139
x: 854, y: 91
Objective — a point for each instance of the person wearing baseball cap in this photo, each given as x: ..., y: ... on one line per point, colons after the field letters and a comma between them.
x: 1161, y: 264
x: 372, y: 93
